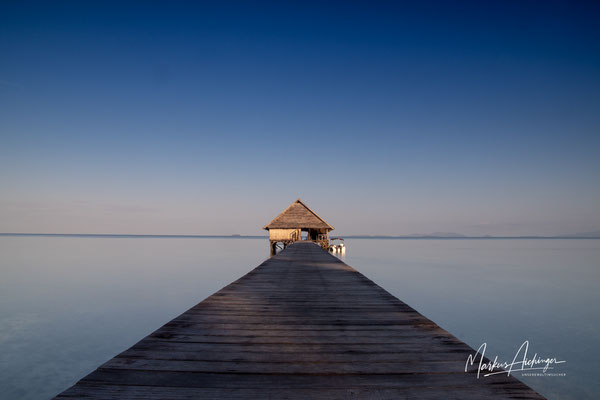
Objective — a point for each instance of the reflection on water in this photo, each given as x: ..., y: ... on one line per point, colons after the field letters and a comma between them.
x: 68, y: 304
x: 337, y: 247
x: 339, y: 253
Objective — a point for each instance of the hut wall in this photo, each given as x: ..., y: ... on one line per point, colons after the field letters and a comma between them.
x: 284, y: 234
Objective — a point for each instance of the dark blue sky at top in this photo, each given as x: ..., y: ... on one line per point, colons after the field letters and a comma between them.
x: 387, y: 116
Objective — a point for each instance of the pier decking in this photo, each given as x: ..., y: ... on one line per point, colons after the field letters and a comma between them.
x: 302, y: 325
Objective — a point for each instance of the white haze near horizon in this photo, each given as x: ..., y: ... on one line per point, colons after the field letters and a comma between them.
x: 218, y: 216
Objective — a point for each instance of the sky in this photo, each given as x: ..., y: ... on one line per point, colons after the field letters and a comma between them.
x: 384, y: 117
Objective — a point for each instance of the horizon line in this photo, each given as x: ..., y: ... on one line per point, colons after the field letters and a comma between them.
x: 412, y: 236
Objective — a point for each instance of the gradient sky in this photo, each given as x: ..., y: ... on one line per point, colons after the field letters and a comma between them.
x: 385, y: 117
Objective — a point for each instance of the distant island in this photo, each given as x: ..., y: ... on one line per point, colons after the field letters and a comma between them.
x: 594, y: 234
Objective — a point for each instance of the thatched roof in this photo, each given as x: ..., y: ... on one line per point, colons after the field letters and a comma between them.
x: 298, y: 215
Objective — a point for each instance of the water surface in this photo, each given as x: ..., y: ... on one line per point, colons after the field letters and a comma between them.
x: 68, y: 304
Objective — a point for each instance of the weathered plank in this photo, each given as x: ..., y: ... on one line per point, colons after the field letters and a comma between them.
x: 301, y: 325
x: 129, y: 392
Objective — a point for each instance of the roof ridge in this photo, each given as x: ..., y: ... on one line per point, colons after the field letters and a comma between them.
x: 307, y: 208
x: 310, y: 209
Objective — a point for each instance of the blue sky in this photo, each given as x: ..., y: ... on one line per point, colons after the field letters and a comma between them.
x: 385, y: 117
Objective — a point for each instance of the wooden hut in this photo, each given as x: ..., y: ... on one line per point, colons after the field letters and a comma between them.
x: 288, y: 226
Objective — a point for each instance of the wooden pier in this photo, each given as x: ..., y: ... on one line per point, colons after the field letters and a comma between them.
x: 302, y: 325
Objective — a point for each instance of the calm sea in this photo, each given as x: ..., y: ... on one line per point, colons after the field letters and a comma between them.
x: 68, y: 304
